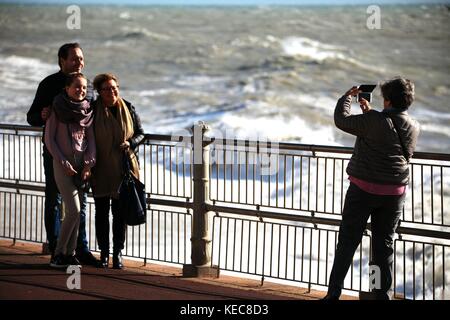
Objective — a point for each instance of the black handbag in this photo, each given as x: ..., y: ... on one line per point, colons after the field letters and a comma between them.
x: 132, y: 197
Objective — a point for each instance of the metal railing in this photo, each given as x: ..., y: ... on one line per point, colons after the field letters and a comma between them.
x: 273, y: 209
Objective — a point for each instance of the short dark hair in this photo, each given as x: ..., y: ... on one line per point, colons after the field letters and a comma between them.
x: 102, y: 78
x: 63, y: 52
x: 399, y: 91
x: 72, y: 76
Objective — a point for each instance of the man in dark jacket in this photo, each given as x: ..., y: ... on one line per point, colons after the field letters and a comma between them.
x: 378, y: 172
x: 70, y: 59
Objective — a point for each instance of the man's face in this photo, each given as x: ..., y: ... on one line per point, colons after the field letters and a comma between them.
x: 74, y: 61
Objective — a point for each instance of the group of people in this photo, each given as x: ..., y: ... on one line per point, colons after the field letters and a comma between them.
x: 86, y: 136
x: 90, y: 136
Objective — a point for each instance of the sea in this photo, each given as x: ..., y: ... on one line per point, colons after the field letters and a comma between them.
x: 259, y: 72
x: 272, y: 72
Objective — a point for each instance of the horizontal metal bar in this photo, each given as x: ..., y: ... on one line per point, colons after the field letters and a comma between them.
x: 318, y: 148
x: 423, y: 233
x: 169, y: 203
x: 254, y: 213
x: 240, y: 142
x: 22, y: 186
x: 166, y: 137
x: 319, y: 220
x: 273, y: 215
x: 18, y: 127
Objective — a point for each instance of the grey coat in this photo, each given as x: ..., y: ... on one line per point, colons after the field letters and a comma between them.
x: 378, y: 155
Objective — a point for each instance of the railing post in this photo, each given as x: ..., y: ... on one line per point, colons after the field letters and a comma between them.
x: 202, y: 219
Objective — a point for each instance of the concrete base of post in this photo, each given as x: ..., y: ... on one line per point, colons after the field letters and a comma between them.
x: 191, y: 271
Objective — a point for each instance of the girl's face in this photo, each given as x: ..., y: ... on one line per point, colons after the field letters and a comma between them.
x: 78, y: 89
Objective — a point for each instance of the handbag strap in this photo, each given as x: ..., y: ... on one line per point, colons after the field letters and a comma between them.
x: 405, y: 154
x: 126, y: 164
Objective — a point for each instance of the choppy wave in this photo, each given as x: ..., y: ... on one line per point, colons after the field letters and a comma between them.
x: 279, y: 70
x: 23, y: 73
x: 311, y: 49
x: 274, y: 126
x: 318, y: 52
x: 140, y: 33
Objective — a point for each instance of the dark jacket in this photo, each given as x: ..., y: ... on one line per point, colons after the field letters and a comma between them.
x: 47, y: 90
x: 138, y: 135
x: 378, y: 154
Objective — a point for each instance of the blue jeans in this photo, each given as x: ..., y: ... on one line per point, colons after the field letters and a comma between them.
x: 52, y: 213
x: 385, y: 212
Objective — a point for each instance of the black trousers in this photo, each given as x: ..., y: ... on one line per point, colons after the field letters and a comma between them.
x: 385, y: 212
x: 102, y: 206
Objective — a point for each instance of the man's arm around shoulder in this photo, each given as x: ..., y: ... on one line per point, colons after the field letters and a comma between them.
x: 41, y: 101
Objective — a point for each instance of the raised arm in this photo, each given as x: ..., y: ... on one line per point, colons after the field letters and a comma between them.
x: 357, y: 125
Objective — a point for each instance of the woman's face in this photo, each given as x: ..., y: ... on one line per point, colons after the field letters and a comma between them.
x: 109, y: 92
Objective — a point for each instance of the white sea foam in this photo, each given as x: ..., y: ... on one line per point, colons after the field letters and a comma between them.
x: 125, y: 15
x: 308, y: 48
x: 197, y: 80
x: 423, y: 113
x: 433, y: 128
x: 278, y: 128
x: 23, y: 73
x: 319, y: 52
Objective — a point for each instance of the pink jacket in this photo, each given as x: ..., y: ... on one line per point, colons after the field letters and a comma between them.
x: 57, y: 141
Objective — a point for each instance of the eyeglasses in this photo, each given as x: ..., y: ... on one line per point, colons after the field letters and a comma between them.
x: 109, y: 88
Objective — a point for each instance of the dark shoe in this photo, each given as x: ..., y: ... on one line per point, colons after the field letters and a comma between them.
x: 117, y: 260
x: 73, y: 261
x: 330, y: 297
x: 59, y: 261
x: 87, y: 258
x: 104, y: 259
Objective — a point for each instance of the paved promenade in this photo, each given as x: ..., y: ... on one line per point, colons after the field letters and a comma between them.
x: 25, y: 274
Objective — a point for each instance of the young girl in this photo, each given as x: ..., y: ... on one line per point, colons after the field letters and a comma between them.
x: 69, y: 137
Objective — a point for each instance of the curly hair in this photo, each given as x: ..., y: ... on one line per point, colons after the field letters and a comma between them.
x: 102, y: 78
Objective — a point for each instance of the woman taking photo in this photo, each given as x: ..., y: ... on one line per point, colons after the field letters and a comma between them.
x: 118, y: 132
x: 379, y: 173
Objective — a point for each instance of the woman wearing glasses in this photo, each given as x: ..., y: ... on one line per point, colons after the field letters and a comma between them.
x: 118, y: 132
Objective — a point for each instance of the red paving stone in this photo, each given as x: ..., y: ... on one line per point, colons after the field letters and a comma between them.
x: 25, y: 274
